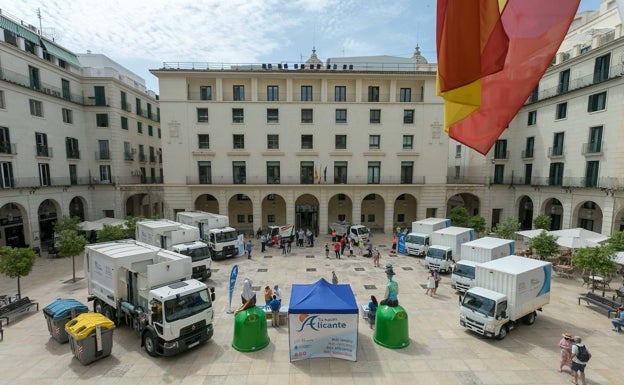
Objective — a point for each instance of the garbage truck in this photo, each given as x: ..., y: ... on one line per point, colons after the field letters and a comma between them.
x: 359, y: 233
x: 178, y: 237
x: 283, y: 233
x: 215, y: 230
x: 151, y: 290
x: 418, y: 240
x: 446, y: 246
x: 508, y: 290
x: 478, y: 251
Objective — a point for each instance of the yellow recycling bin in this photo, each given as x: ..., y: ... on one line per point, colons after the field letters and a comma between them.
x: 90, y: 337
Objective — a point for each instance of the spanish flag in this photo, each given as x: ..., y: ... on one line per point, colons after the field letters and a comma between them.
x: 491, y: 55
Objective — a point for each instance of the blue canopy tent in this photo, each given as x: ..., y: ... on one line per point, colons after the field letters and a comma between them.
x: 322, y: 321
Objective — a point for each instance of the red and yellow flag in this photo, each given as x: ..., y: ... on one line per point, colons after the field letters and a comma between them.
x: 491, y: 55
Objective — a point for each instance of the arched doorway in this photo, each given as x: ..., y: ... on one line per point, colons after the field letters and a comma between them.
x: 373, y: 210
x: 208, y: 203
x: 47, y: 214
x: 525, y: 213
x: 340, y: 208
x: 273, y: 211
x: 405, y: 208
x: 554, y: 208
x: 12, y: 223
x: 240, y: 212
x: 76, y: 208
x: 589, y: 216
x: 306, y: 213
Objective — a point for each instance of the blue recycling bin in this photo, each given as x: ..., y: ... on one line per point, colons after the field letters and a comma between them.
x: 58, y: 313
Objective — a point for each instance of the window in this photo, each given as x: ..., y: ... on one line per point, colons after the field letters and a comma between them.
x: 272, y: 93
x: 69, y: 119
x: 6, y: 174
x: 373, y: 142
x: 33, y: 75
x: 307, y: 142
x: 204, y: 170
x: 124, y: 101
x: 5, y: 141
x: 128, y: 151
x: 239, y: 93
x: 272, y: 141
x: 65, y: 90
x: 104, y: 152
x: 499, y: 173
x: 564, y: 81
x: 534, y: 94
x: 158, y: 131
x: 101, y: 120
x: 239, y: 172
x: 202, y: 115
x: 562, y: 110
x: 306, y: 115
x: 141, y: 153
x: 100, y: 95
x: 307, y: 172
x: 124, y: 123
x: 340, y: 94
x: 44, y: 174
x: 150, y: 130
x: 2, y: 103
x: 341, y: 142
x: 591, y: 173
x: 407, y: 172
x: 105, y: 173
x: 41, y: 141
x: 73, y: 174
x: 341, y: 116
x: 238, y: 115
x: 405, y: 95
x: 528, y: 147
x: 273, y: 172
x: 557, y: 148
x: 139, y: 127
x: 595, y: 139
x: 373, y: 93
x: 597, y: 102
x: 601, y: 68
x: 203, y: 141
x: 238, y: 141
x: 152, y: 154
x: 29, y: 46
x: 143, y: 174
x: 36, y: 108
x: 532, y: 119
x: 205, y: 92
x: 71, y: 148
x: 500, y: 149
x: 458, y: 151
x: 408, y: 116
x: 340, y: 172
x: 272, y: 115
x: 555, y: 176
x: 137, y: 101
x: 408, y: 142
x: 375, y: 116
x: 528, y: 173
x: 374, y: 169
x: 306, y: 93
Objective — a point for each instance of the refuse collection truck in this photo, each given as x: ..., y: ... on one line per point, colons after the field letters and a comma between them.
x: 215, y: 230
x: 508, y: 290
x: 150, y: 289
x: 478, y: 251
x: 178, y: 237
x: 418, y: 240
x: 356, y: 232
x: 283, y: 233
x: 446, y: 246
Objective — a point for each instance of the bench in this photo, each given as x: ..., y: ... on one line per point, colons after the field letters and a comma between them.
x: 603, y: 302
x: 17, y: 306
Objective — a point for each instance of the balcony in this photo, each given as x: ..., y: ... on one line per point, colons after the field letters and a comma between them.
x: 501, y: 155
x: 152, y: 159
x: 44, y: 88
x: 142, y: 158
x: 592, y: 149
x: 129, y: 156
x: 7, y: 148
x: 527, y: 154
x: 43, y: 151
x: 297, y: 180
x: 102, y: 155
x: 73, y: 154
x: 555, y: 152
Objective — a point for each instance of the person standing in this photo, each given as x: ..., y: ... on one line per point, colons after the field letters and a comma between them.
x: 268, y: 295
x: 288, y: 245
x: 263, y: 242
x: 430, y: 284
x: 351, y: 248
x: 284, y: 249
x: 275, y: 305
x: 565, y: 346
x: 248, y: 248
x: 343, y: 244
x: 326, y: 250
x: 334, y: 233
x: 337, y: 249
x: 376, y: 257
x: 372, y: 311
x: 437, y: 278
x: 394, y: 244
x: 277, y: 292
x: 334, y: 278
x: 580, y: 356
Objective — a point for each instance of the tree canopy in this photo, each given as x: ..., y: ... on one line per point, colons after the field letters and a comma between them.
x: 544, y: 244
x: 508, y: 228
x: 459, y: 216
x: 16, y: 263
x: 477, y: 222
x: 70, y: 243
x: 542, y: 222
x: 111, y: 233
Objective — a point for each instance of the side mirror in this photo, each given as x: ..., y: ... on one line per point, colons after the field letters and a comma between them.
x: 212, y: 293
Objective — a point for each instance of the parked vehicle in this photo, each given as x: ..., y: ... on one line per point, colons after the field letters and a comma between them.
x: 478, y: 251
x: 445, y: 246
x: 356, y: 232
x: 150, y: 289
x: 215, y: 230
x: 417, y: 242
x: 178, y: 237
x: 508, y: 290
x: 283, y: 232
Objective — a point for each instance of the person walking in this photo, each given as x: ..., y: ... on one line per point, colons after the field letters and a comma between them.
x: 430, y: 284
x: 337, y: 249
x: 248, y: 248
x: 334, y: 278
x: 565, y: 346
x: 343, y: 244
x: 288, y: 245
x: 263, y: 242
x: 580, y: 356
x: 376, y: 257
x: 326, y: 250
x: 351, y: 248
x: 275, y: 305
x: 436, y: 276
x: 372, y: 311
x: 334, y: 234
x: 284, y: 249
x: 394, y: 245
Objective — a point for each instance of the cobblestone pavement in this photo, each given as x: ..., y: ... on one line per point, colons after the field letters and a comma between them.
x: 440, y: 352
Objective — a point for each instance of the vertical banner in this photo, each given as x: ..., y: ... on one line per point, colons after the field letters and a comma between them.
x: 233, y: 275
x: 241, y: 244
x: 401, y: 245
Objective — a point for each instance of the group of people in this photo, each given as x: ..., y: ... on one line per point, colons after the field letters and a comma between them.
x: 273, y: 301
x: 433, y: 281
x: 575, y: 355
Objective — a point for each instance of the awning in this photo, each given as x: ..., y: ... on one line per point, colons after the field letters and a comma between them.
x: 60, y: 53
x: 18, y: 30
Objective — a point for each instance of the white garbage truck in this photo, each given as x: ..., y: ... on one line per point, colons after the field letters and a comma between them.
x: 215, y: 230
x: 150, y: 289
x: 446, y: 246
x: 419, y: 239
x: 508, y: 290
x: 475, y: 252
x: 178, y: 237
x: 359, y: 233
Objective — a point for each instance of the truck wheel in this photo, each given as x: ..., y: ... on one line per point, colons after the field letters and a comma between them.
x: 97, y: 306
x: 149, y: 341
x: 529, y: 319
x: 109, y: 313
x: 503, y: 333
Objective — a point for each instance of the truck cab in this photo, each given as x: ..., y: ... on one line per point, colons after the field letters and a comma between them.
x: 417, y: 244
x: 484, y: 312
x: 439, y: 258
x: 463, y: 277
x: 222, y: 242
x: 199, y: 254
x: 359, y: 233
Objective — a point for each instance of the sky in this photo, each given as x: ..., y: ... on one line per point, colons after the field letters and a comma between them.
x: 141, y: 35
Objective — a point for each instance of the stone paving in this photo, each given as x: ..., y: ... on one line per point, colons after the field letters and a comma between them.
x: 440, y: 352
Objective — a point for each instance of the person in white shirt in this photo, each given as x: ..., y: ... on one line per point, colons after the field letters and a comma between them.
x: 577, y: 364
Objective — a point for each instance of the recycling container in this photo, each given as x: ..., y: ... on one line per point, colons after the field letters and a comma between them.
x: 90, y: 337
x: 250, y: 330
x: 58, y: 313
x: 391, y: 327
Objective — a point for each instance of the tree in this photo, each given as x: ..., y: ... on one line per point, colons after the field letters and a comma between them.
x: 508, y: 228
x: 67, y: 223
x: 16, y: 263
x: 70, y: 243
x: 616, y: 242
x: 542, y: 222
x: 544, y: 244
x: 595, y: 260
x: 111, y: 233
x: 477, y: 223
x: 131, y: 226
x: 459, y: 216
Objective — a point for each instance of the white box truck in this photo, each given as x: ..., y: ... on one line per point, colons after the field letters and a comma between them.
x: 178, y: 237
x: 445, y: 246
x: 478, y: 251
x: 283, y: 233
x: 418, y: 240
x: 150, y: 289
x: 215, y: 230
x: 508, y: 290
x: 356, y: 232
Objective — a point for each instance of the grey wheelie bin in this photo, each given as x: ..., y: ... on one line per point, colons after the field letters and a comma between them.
x: 90, y: 337
x: 58, y: 313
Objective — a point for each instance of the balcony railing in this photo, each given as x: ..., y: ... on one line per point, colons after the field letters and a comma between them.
x: 527, y: 154
x: 102, y: 155
x: 44, y: 151
x: 500, y: 155
x: 8, y: 148
x: 73, y: 154
x: 44, y: 88
x: 142, y: 158
x: 296, y: 180
x: 556, y: 152
x: 594, y: 148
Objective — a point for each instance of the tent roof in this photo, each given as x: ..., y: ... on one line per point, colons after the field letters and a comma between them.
x: 322, y: 298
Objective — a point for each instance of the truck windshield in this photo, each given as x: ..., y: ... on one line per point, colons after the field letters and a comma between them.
x: 464, y: 271
x: 436, y: 253
x: 198, y: 254
x: 479, y: 304
x: 226, y: 236
x: 415, y: 239
x: 187, y: 305
x: 362, y: 230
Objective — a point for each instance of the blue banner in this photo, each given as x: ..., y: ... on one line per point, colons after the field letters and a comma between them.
x: 233, y: 275
x: 401, y: 245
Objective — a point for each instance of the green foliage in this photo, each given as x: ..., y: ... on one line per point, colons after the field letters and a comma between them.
x: 477, y: 223
x: 16, y: 263
x: 459, y: 216
x: 130, y: 229
x: 595, y: 259
x: 542, y: 222
x: 508, y: 228
x: 67, y: 223
x: 616, y: 242
x: 544, y: 244
x: 70, y: 243
x: 111, y: 233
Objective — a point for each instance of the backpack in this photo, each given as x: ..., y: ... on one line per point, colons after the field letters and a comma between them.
x: 582, y: 355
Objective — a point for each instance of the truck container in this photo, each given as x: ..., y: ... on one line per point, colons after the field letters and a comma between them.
x: 478, y: 251
x: 283, y: 232
x: 508, y: 290
x: 446, y: 246
x: 215, y: 230
x: 429, y: 225
x: 417, y: 242
x: 150, y: 289
x: 178, y: 237
x: 356, y: 232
